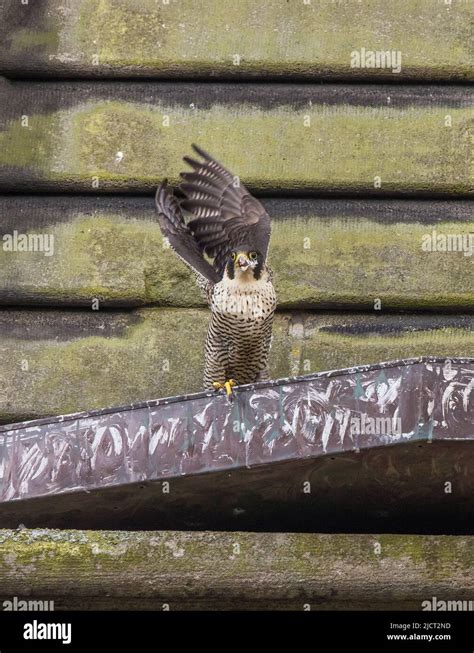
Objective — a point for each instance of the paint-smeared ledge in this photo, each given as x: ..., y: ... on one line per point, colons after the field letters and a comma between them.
x: 343, y: 447
x: 255, y: 386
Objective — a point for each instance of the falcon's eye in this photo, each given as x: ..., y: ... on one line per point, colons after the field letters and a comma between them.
x: 253, y: 256
x: 234, y: 256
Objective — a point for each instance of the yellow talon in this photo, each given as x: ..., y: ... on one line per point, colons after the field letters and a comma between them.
x: 227, y: 386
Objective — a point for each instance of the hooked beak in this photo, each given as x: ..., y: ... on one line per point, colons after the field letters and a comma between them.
x: 243, y: 262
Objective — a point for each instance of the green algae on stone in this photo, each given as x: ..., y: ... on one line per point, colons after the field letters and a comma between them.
x: 93, y: 257
x: 108, y: 257
x: 423, y: 153
x: 190, y: 570
x: 25, y: 40
x: 295, y: 38
x: 119, y: 257
x: 323, y: 351
x: 30, y: 147
x: 354, y: 262
x: 160, y: 352
x: 133, y: 144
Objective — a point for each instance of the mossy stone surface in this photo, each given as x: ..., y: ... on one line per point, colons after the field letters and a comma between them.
x: 297, y: 39
x: 105, y: 137
x: 324, y: 253
x: 57, y: 362
x: 222, y: 570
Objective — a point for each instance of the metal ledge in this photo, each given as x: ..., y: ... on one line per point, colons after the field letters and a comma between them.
x: 383, y: 447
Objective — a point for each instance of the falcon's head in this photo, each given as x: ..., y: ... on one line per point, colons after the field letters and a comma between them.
x: 244, y: 262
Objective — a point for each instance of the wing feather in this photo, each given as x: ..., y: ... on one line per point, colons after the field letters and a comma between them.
x: 174, y: 228
x: 215, y: 197
x: 224, y: 216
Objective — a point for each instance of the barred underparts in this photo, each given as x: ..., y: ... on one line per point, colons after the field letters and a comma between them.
x: 239, y: 336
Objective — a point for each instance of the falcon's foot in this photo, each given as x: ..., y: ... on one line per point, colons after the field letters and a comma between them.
x: 227, y: 386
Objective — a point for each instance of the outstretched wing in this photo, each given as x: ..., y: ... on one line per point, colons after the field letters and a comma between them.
x: 174, y: 228
x: 225, y: 213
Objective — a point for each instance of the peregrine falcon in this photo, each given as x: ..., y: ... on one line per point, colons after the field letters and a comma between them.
x: 225, y: 244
